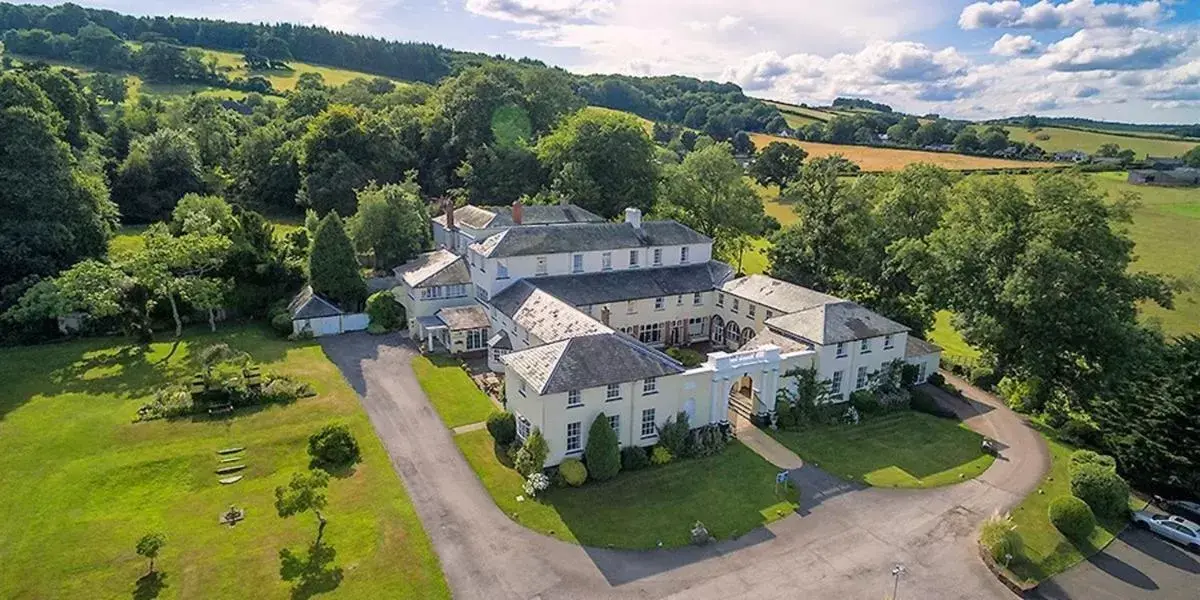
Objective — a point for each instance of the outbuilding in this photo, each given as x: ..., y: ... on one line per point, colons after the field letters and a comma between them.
x: 314, y: 314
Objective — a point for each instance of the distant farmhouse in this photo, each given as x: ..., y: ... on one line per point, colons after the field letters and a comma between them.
x: 576, y: 311
x: 1181, y: 176
x: 1075, y: 156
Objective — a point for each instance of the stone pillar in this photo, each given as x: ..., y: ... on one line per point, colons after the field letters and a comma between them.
x: 770, y: 385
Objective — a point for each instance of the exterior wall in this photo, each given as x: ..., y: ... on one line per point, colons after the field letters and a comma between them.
x: 414, y: 307
x: 675, y: 309
x: 332, y: 325
x: 927, y: 365
x: 828, y: 362
x: 747, y: 314
x: 458, y: 341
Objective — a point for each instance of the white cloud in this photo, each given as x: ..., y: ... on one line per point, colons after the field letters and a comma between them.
x: 1015, y: 45
x: 1116, y: 50
x: 1048, y: 15
x: 1037, y: 101
x: 539, y: 11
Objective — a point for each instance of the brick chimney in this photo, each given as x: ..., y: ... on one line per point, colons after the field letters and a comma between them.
x: 517, y: 212
x: 448, y: 209
x: 633, y: 216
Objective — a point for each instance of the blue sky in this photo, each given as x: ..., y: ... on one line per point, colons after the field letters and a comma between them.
x: 1130, y: 60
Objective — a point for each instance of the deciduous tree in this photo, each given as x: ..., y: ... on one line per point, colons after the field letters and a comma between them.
x: 778, y: 164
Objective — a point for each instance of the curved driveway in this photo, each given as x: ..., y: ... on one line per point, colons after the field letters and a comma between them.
x: 843, y: 544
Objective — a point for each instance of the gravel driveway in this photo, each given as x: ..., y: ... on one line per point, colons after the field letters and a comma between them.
x: 842, y: 544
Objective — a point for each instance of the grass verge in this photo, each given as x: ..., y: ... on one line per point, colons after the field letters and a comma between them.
x: 454, y: 396
x: 731, y: 493
x: 905, y: 449
x: 83, y: 482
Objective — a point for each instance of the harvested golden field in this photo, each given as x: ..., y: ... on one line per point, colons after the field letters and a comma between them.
x: 893, y: 159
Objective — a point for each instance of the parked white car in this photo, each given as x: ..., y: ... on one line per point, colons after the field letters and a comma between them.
x: 1176, y: 529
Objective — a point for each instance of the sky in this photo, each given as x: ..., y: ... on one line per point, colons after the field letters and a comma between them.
x: 1121, y: 60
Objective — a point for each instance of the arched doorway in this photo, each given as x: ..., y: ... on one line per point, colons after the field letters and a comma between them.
x: 742, y: 400
x: 717, y: 331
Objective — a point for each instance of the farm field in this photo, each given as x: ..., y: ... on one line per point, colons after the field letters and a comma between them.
x: 1089, y: 141
x: 871, y: 158
x: 83, y: 481
x: 798, y: 116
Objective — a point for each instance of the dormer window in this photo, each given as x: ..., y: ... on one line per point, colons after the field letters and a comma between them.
x: 683, y: 255
x: 657, y: 257
x: 577, y: 263
x: 606, y: 261
x: 633, y: 259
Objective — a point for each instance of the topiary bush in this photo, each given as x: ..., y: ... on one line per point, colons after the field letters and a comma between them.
x: 1072, y: 517
x: 573, y: 472
x: 603, y: 451
x: 634, y: 458
x: 333, y: 447
x: 1000, y: 538
x: 531, y: 458
x: 281, y: 322
x: 503, y: 427
x: 1100, y: 486
x: 660, y: 456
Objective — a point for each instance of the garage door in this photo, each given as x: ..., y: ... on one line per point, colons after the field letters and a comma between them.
x: 327, y: 326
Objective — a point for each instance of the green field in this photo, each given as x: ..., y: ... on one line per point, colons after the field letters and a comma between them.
x: 82, y: 481
x: 731, y: 493
x: 798, y: 116
x: 904, y: 449
x: 1060, y: 139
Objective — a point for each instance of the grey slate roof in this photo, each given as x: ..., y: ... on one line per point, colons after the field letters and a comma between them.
x: 918, y: 347
x: 780, y: 296
x: 484, y: 217
x: 440, y: 267
x: 459, y: 318
x: 500, y: 341
x: 575, y: 363
x: 631, y: 284
x: 771, y: 337
x: 835, y: 322
x: 544, y: 316
x: 585, y: 237
x: 307, y: 304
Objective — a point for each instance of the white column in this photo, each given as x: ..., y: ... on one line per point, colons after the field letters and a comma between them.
x: 713, y: 415
x: 766, y: 395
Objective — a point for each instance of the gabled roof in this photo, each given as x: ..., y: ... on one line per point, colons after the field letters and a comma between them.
x: 585, y: 237
x: 835, y: 322
x: 307, y: 304
x: 916, y: 346
x: 631, y: 284
x: 589, y: 361
x: 777, y: 295
x: 772, y: 337
x: 460, y: 318
x: 542, y: 315
x: 500, y: 341
x: 440, y: 267
x: 484, y: 217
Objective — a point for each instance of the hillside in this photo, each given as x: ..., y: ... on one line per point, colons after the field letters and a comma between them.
x: 799, y: 116
x: 874, y: 158
x: 1058, y: 139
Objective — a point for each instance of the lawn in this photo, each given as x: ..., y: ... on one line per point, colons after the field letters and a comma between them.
x: 454, y: 396
x: 1061, y: 139
x: 1047, y: 552
x: 905, y: 449
x: 945, y: 335
x: 731, y: 493
x: 83, y: 481
x: 129, y: 237
x: 871, y: 158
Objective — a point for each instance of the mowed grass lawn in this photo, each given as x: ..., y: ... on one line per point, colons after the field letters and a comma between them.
x: 1046, y: 551
x: 731, y: 493
x: 82, y: 481
x: 905, y: 449
x: 454, y: 396
x: 1060, y: 139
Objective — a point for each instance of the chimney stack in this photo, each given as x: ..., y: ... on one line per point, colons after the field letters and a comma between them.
x: 448, y: 210
x: 633, y: 216
x: 517, y: 212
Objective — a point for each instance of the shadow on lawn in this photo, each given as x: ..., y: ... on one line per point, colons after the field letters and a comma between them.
x: 150, y: 585
x: 313, y: 572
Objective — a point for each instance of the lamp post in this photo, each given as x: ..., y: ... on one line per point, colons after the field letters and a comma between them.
x: 897, y: 571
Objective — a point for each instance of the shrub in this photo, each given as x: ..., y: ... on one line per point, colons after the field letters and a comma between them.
x: 865, y: 402
x: 1080, y: 430
x: 503, y: 427
x: 333, y: 447
x: 923, y: 402
x: 1072, y: 517
x: 660, y: 456
x: 280, y: 389
x: 706, y: 440
x: 385, y: 312
x: 1088, y: 457
x: 936, y: 379
x: 1022, y: 395
x: 169, y: 402
x: 376, y: 329
x: 673, y: 434
x: 603, y: 451
x: 634, y: 458
x: 531, y: 458
x: 573, y: 472
x: 281, y: 322
x: 535, y: 484
x: 982, y: 376
x: 785, y: 416
x: 688, y: 358
x: 1100, y: 486
x: 908, y: 374
x: 1000, y: 538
